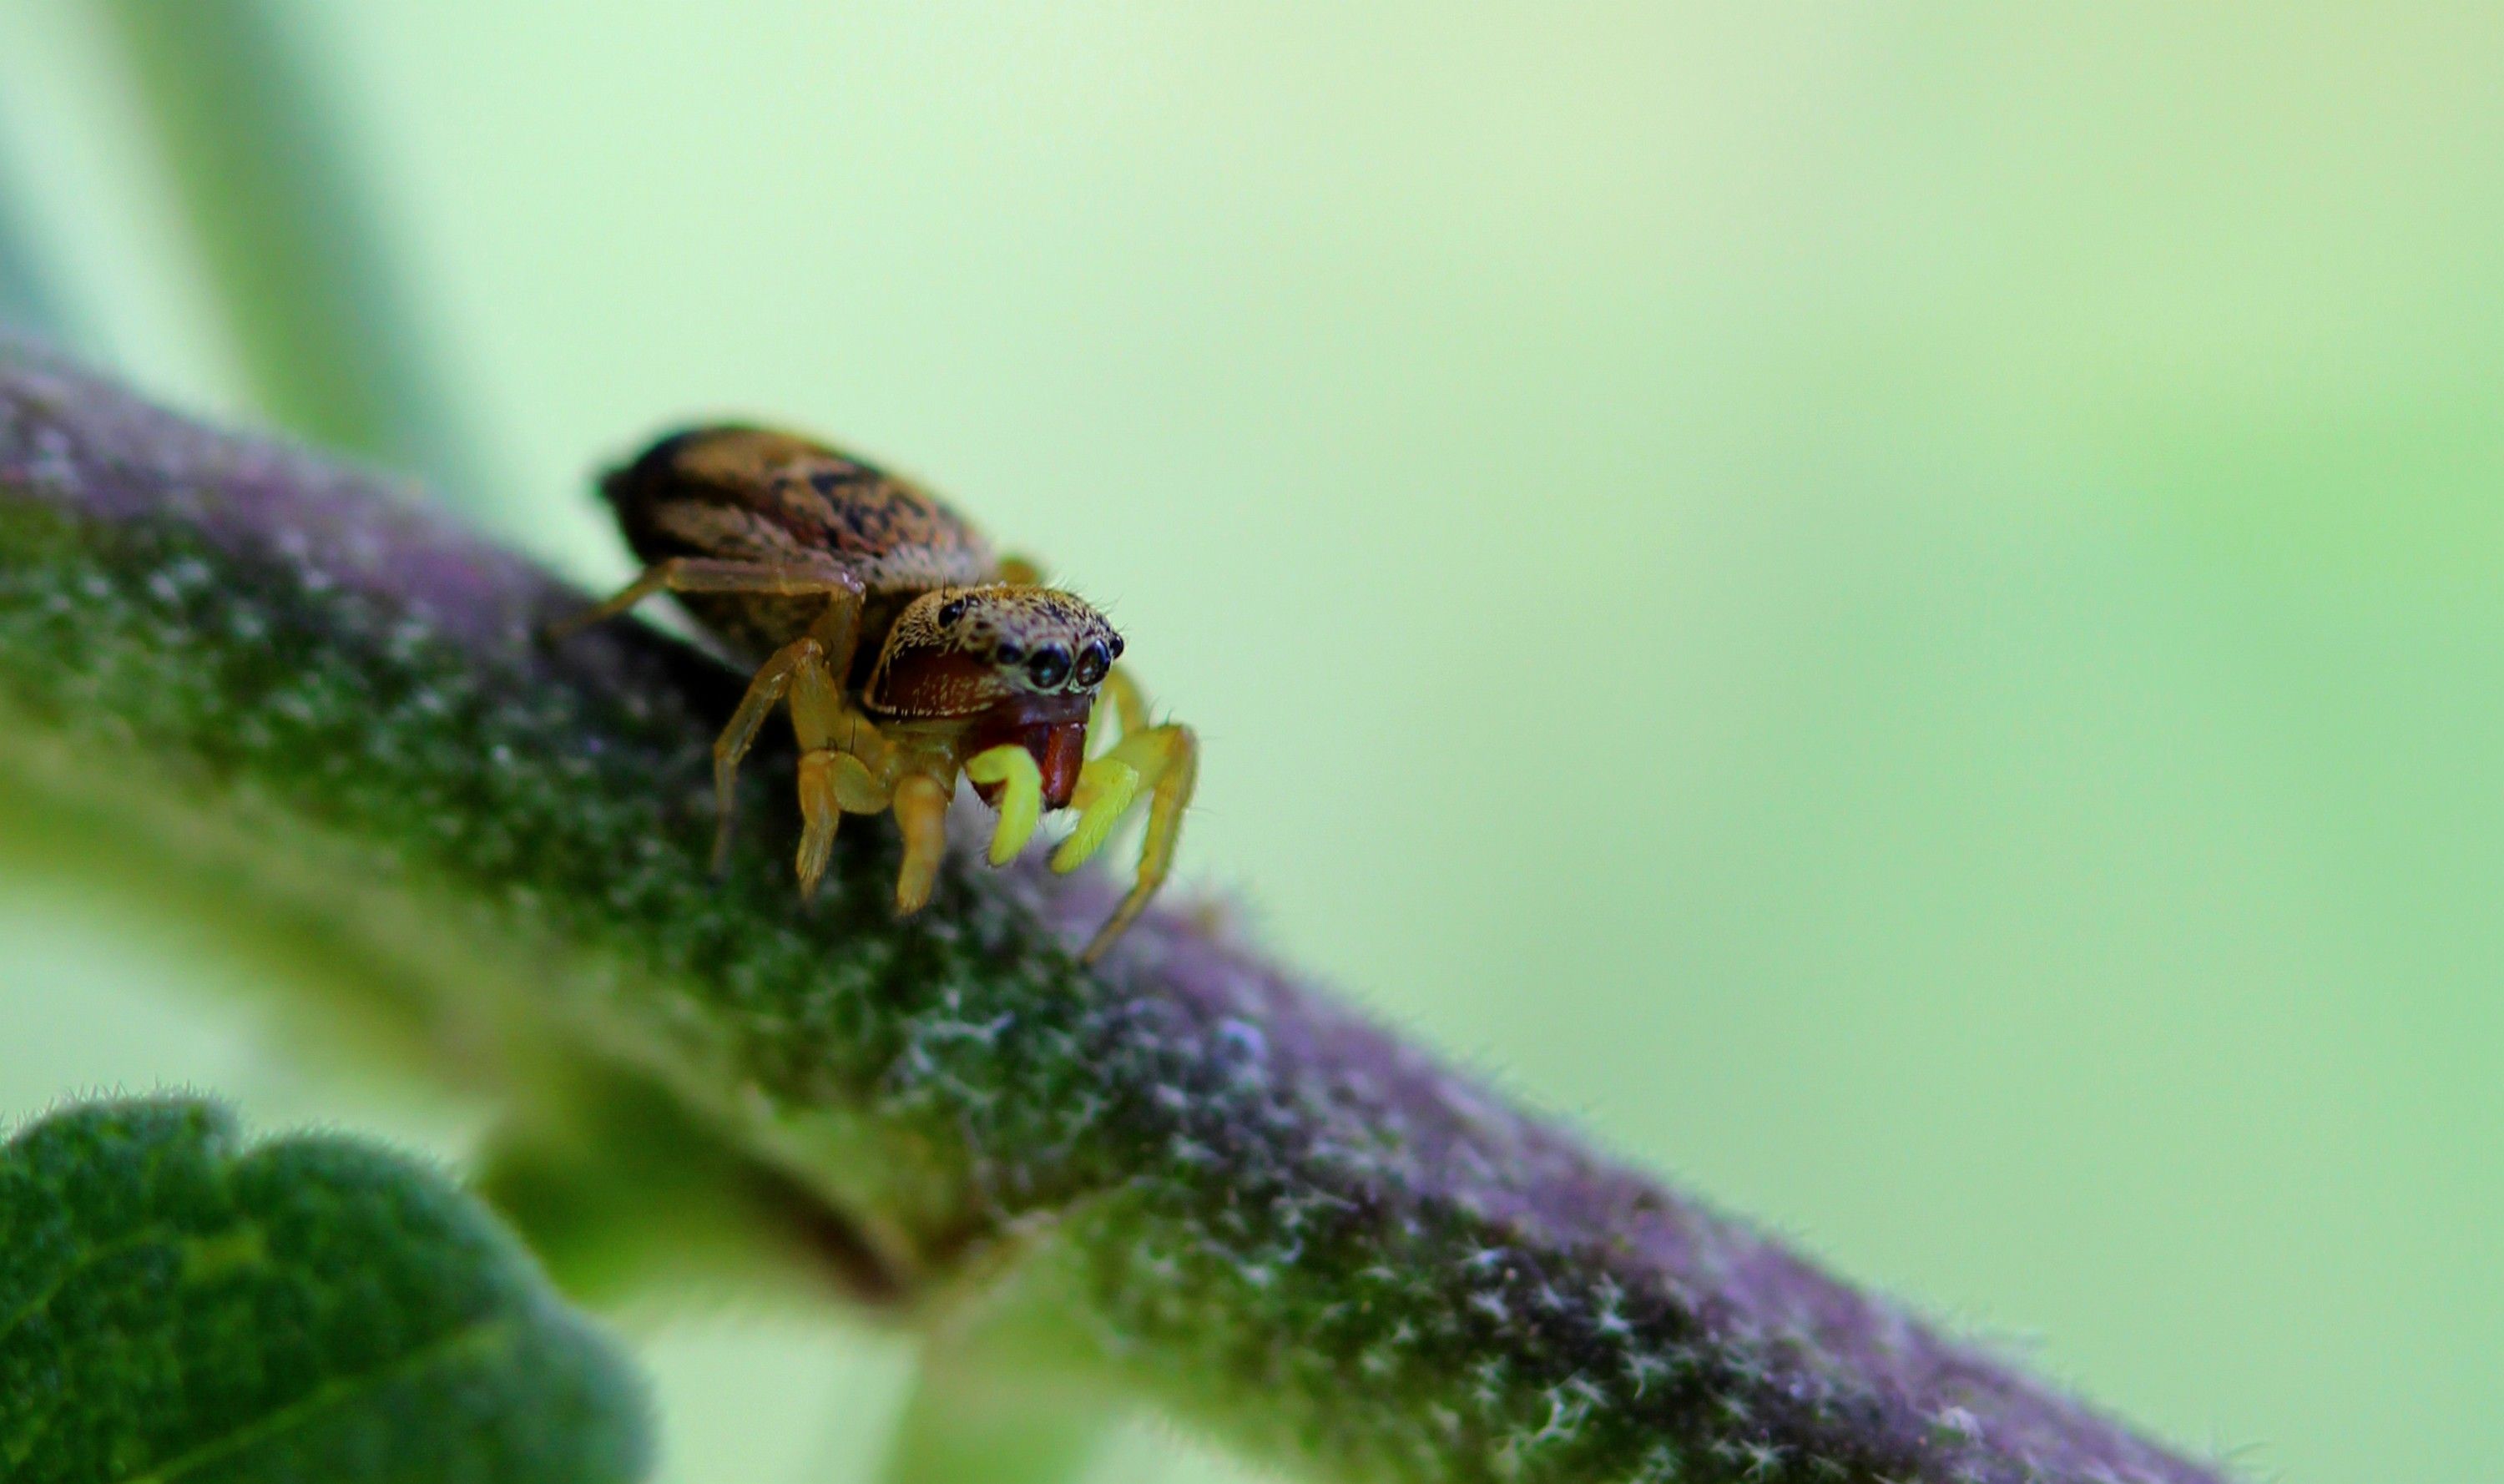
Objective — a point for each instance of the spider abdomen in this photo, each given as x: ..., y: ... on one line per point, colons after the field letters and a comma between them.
x: 747, y: 493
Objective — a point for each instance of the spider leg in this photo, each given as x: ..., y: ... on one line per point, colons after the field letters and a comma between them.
x: 1168, y: 760
x: 1107, y: 785
x: 1161, y: 760
x: 835, y: 740
x: 714, y: 574
x: 832, y: 783
x: 807, y: 670
x: 1107, y: 788
x: 921, y: 814
x: 765, y: 694
x: 836, y: 747
x: 831, y: 736
x: 1129, y: 703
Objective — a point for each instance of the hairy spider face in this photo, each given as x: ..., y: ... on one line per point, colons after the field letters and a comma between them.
x: 1016, y: 665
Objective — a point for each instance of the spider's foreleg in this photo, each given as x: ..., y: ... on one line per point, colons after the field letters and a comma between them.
x: 1101, y: 802
x: 1110, y: 782
x: 1129, y: 702
x: 1161, y: 760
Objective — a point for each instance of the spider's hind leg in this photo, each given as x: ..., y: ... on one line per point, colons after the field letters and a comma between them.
x: 807, y: 672
x: 717, y: 574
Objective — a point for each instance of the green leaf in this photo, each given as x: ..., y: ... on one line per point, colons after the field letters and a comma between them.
x: 176, y: 1306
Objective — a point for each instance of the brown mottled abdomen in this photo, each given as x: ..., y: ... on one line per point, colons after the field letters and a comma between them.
x: 752, y: 495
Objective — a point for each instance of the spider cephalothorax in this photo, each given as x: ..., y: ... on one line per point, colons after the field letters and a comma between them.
x: 1015, y: 665
x: 906, y: 651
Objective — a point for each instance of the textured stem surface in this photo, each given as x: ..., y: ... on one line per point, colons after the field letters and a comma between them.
x: 1236, y: 1196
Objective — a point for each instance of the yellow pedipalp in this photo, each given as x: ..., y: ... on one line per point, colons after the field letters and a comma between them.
x: 1021, y: 797
x: 1106, y: 788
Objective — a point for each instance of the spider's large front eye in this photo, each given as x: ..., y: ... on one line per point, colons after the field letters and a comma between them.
x: 1092, y: 662
x: 1049, y: 666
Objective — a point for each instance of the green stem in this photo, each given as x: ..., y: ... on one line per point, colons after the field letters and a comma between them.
x: 994, y: 1402
x: 1237, y: 1197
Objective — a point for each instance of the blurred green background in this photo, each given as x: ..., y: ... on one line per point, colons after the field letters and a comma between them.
x: 1893, y: 608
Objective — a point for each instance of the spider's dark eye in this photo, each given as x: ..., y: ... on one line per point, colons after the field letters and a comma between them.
x: 1092, y: 662
x: 1117, y: 647
x: 1049, y: 666
x: 1008, y: 653
x: 951, y: 610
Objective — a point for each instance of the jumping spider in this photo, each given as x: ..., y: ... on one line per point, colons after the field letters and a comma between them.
x: 906, y: 651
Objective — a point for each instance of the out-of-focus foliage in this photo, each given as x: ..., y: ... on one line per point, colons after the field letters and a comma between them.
x: 26, y: 299
x: 263, y: 158
x: 174, y: 1304
x: 979, y: 1416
